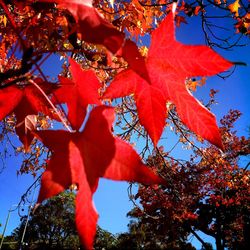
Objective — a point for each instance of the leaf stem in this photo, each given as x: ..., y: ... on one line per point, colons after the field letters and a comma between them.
x: 52, y: 105
x: 240, y: 63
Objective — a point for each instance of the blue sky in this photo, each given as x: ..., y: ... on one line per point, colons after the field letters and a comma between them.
x: 111, y: 198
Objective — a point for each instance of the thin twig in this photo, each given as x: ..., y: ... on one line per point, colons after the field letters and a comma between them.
x: 52, y: 105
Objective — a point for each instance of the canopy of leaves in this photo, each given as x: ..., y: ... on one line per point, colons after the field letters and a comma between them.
x: 210, y: 193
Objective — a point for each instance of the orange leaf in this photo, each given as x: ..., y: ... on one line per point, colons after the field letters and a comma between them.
x: 234, y: 7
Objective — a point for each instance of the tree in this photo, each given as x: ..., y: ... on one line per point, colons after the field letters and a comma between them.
x: 9, y: 242
x: 207, y: 193
x: 100, y: 61
x: 104, y: 240
x: 51, y: 225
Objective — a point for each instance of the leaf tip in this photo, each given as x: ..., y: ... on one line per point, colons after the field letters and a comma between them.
x: 155, y: 141
x: 220, y: 145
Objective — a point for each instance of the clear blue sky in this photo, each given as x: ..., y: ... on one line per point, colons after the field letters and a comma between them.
x: 111, y: 198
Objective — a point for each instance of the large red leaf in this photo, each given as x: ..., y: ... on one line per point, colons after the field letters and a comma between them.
x: 9, y: 99
x: 24, y: 101
x: 134, y: 58
x: 126, y: 165
x: 32, y: 103
x: 78, y: 93
x: 57, y: 176
x: 168, y: 65
x: 152, y: 109
x: 86, y: 215
x: 81, y: 158
x: 189, y: 60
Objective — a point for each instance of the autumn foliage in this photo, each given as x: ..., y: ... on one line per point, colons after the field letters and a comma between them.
x: 101, y: 61
x: 209, y: 192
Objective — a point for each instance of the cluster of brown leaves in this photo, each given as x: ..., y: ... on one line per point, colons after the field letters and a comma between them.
x: 208, y: 193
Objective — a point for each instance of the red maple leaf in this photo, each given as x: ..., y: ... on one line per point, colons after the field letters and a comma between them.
x: 91, y: 25
x: 81, y: 158
x: 23, y: 101
x: 95, y: 29
x: 78, y: 93
x: 169, y: 64
x: 9, y: 99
